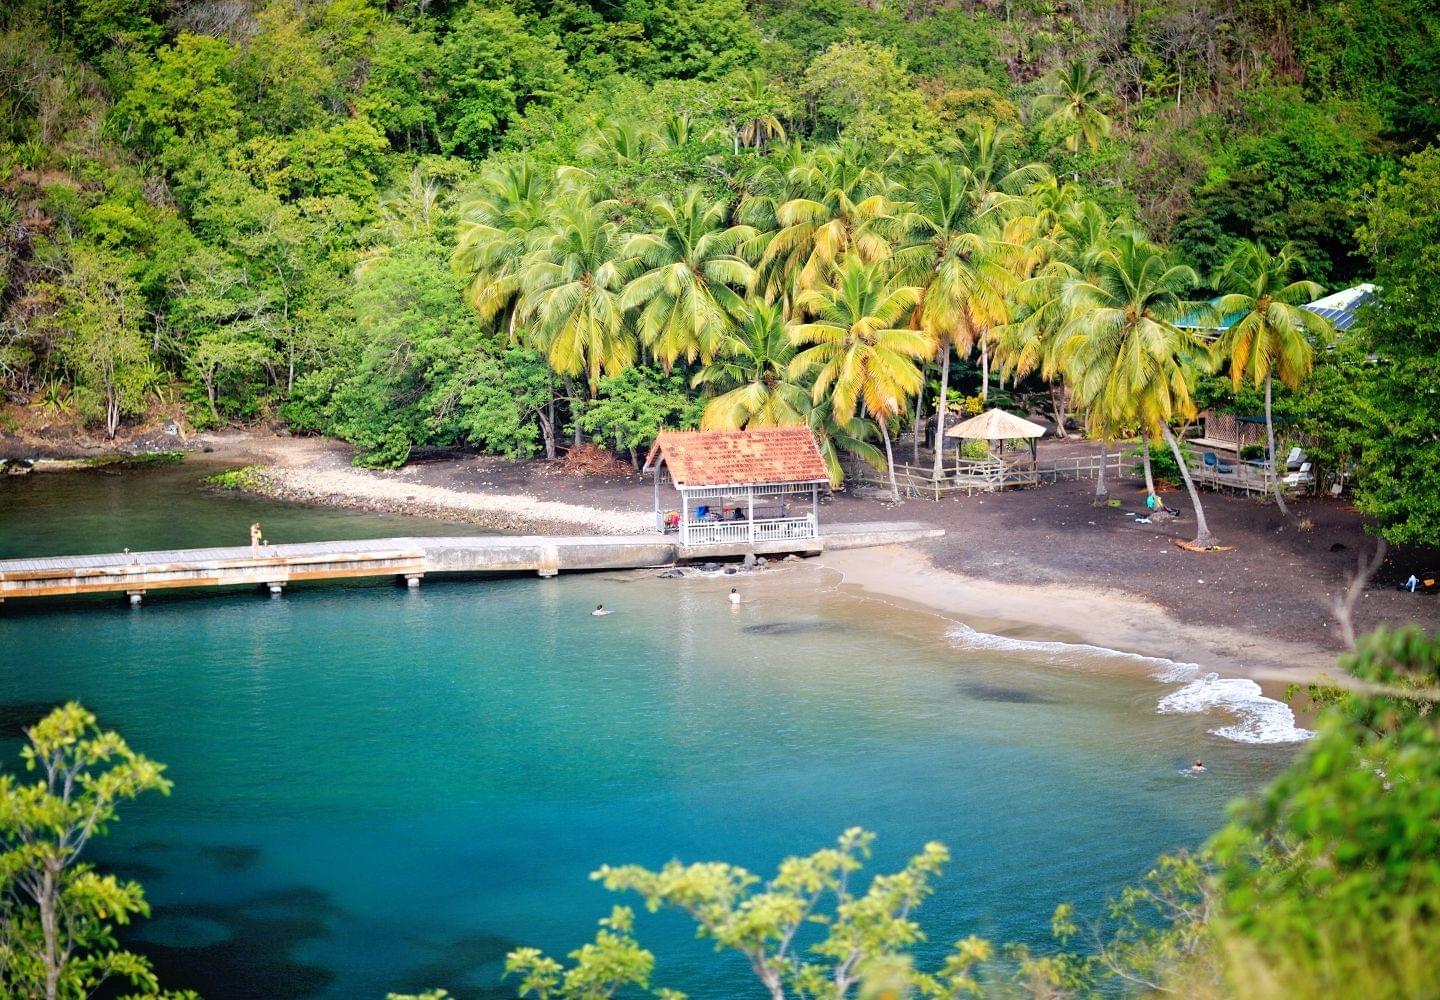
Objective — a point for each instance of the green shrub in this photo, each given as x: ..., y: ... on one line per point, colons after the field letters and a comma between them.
x: 247, y: 477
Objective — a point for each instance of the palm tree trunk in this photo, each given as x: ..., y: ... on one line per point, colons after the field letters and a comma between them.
x: 984, y: 373
x: 1202, y: 529
x: 1101, y: 493
x: 1149, y: 474
x: 919, y: 414
x: 890, y: 462
x: 940, y: 411
x: 1270, y: 449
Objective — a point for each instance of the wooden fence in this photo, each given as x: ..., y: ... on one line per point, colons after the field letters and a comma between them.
x: 985, y: 475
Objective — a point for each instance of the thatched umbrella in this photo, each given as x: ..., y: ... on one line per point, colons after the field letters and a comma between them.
x: 997, y: 425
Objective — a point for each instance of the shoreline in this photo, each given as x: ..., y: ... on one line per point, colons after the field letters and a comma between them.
x: 1107, y: 619
x: 1065, y: 607
x: 303, y: 470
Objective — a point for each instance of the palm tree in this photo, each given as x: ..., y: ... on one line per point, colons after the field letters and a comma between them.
x: 1273, y: 333
x: 756, y: 122
x: 861, y: 359
x: 1063, y: 254
x: 846, y: 211
x: 958, y: 258
x: 571, y: 284
x: 1074, y: 104
x: 618, y: 142
x: 1129, y: 363
x: 690, y: 291
x: 752, y: 370
x: 853, y: 437
x: 494, y: 234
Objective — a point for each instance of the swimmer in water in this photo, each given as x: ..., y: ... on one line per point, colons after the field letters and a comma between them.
x: 1198, y: 767
x: 599, y: 611
x: 734, y: 596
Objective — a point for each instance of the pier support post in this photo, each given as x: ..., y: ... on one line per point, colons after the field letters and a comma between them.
x: 412, y: 580
x: 136, y: 596
x: 276, y: 589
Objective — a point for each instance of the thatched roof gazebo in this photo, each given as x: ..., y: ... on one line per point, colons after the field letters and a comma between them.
x: 995, y: 425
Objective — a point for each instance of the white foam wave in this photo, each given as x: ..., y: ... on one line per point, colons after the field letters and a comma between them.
x: 1258, y: 719
x: 1063, y: 653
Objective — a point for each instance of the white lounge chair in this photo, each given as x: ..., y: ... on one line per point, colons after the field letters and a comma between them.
x: 1301, y: 477
x: 1293, y: 460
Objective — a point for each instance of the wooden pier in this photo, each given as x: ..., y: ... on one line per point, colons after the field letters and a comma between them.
x: 410, y: 559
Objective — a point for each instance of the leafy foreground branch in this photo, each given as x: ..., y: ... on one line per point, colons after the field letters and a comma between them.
x: 57, y: 912
x: 1325, y: 885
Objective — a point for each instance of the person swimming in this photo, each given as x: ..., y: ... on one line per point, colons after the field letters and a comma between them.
x: 734, y: 596
x: 1198, y: 767
x: 599, y: 611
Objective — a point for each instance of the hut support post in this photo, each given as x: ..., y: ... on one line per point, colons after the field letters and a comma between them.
x: 815, y: 506
x: 659, y: 515
x: 750, y: 511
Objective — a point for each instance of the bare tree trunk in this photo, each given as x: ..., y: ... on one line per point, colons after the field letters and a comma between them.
x: 1101, y: 493
x: 1145, y: 457
x: 546, y: 414
x: 940, y: 411
x: 1202, y: 528
x: 1270, y: 449
x: 890, y: 462
x: 1059, y: 399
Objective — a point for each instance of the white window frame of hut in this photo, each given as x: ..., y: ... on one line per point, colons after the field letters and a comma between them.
x: 752, y: 476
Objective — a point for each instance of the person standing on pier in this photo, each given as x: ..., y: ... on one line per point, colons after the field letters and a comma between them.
x: 255, y: 540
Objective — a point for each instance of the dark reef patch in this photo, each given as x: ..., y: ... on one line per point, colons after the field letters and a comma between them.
x: 469, y: 966
x: 981, y: 691
x: 17, y: 716
x: 232, y: 857
x: 239, y: 951
x: 798, y: 627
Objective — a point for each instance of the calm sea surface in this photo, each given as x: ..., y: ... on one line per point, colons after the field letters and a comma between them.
x: 380, y: 790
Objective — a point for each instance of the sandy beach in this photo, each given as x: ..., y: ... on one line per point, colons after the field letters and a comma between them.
x: 1053, y: 613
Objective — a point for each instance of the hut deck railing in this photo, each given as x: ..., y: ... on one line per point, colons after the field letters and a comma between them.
x: 1245, y: 477
x: 733, y: 532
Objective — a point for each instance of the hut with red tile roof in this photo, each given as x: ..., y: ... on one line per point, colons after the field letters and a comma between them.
x: 739, y: 487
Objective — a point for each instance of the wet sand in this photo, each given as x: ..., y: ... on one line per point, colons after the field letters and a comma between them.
x: 1050, y: 612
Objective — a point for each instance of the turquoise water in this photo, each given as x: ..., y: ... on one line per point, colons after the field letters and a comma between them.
x: 377, y: 789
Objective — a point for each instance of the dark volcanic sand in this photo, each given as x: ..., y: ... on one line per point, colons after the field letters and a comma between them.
x: 1278, y: 579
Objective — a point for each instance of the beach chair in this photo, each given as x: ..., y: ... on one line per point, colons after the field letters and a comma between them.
x: 1217, y: 464
x: 1300, y: 477
x: 1293, y: 460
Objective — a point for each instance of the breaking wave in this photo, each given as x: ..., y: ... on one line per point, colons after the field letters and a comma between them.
x: 1063, y: 653
x: 1258, y: 719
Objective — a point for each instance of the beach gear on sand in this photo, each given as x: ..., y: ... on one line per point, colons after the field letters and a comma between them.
x: 1181, y: 543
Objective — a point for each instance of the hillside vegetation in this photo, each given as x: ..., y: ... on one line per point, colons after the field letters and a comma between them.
x: 505, y: 225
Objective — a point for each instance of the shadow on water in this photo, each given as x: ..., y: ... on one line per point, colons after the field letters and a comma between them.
x: 469, y: 966
x: 998, y: 692
x: 800, y: 627
x: 240, y: 951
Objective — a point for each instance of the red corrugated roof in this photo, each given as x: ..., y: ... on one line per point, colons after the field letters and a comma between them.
x: 726, y: 458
